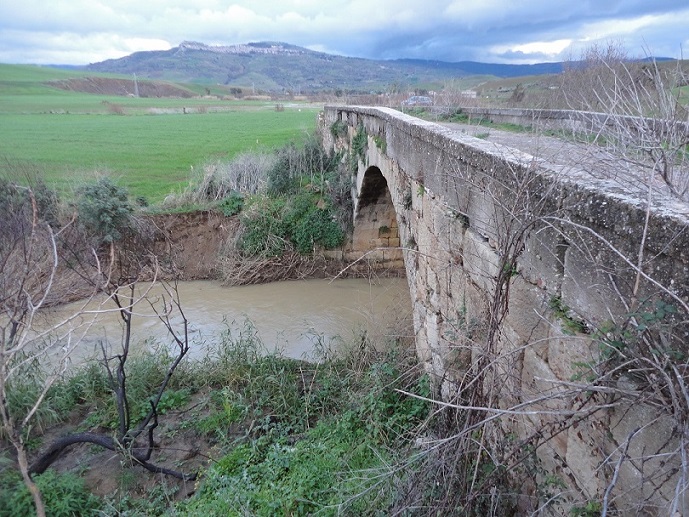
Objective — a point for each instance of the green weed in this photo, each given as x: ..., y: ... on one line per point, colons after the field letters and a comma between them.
x: 338, y: 129
x: 457, y: 116
x: 570, y: 325
x: 381, y: 143
x: 590, y: 509
x: 359, y: 147
x: 232, y: 204
x: 63, y: 495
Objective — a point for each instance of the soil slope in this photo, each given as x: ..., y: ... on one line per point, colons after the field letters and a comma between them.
x: 124, y: 87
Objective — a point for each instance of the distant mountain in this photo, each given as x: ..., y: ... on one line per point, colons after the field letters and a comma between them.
x: 496, y: 69
x: 275, y: 66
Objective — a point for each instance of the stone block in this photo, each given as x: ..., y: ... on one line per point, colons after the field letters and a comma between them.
x: 456, y: 284
x: 652, y: 457
x: 538, y: 382
x: 481, y: 262
x: 485, y: 216
x: 506, y: 368
x: 584, y: 456
x: 441, y: 217
x: 542, y: 261
x: 527, y: 306
x: 587, y: 287
x: 475, y: 304
x: 568, y: 354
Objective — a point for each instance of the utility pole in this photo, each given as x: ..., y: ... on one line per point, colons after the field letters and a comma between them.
x: 136, y: 86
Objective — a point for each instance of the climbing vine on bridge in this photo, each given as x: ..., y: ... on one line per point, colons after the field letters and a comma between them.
x: 359, y: 147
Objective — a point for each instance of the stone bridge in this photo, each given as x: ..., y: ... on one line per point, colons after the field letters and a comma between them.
x: 520, y: 276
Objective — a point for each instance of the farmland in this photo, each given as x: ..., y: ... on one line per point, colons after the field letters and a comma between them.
x: 148, y: 144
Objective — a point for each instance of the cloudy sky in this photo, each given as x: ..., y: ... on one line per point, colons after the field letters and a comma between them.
x: 505, y: 31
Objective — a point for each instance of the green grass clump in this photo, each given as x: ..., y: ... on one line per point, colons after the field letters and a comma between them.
x: 63, y: 495
x: 232, y: 204
x: 570, y: 324
x: 322, y: 436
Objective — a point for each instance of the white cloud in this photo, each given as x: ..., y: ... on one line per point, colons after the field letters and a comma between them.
x: 623, y: 27
x: 72, y: 48
x: 549, y: 48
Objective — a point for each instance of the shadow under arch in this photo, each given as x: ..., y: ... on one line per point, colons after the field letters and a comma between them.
x: 376, y: 233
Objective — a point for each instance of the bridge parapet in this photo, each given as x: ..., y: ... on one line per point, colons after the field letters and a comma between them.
x: 519, y: 275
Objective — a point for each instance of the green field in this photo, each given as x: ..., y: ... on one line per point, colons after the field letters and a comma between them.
x: 147, y: 144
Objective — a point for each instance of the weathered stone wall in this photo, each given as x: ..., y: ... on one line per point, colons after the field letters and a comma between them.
x: 520, y: 264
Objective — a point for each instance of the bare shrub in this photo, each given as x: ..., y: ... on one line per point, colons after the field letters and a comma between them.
x: 632, y: 108
x: 246, y: 173
x: 454, y: 96
x: 595, y: 71
x: 238, y: 269
x: 42, y: 264
x: 29, y: 266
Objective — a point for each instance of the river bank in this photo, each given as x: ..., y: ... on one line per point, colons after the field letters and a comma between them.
x: 200, y: 245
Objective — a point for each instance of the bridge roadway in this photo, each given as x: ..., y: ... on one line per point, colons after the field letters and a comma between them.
x: 589, y: 162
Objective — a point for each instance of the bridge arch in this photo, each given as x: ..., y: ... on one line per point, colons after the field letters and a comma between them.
x: 376, y: 231
x: 462, y: 204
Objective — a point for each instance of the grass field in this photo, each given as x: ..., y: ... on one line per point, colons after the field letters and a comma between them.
x: 72, y: 136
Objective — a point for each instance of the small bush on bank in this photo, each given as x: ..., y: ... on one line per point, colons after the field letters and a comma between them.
x: 303, y: 221
x: 317, y: 228
x: 104, y: 210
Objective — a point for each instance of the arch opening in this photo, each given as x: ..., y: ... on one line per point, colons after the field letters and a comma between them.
x: 376, y: 232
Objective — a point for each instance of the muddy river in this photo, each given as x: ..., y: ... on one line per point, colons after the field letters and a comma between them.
x: 294, y: 317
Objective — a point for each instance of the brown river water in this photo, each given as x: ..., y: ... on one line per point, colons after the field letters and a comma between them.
x: 293, y: 317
